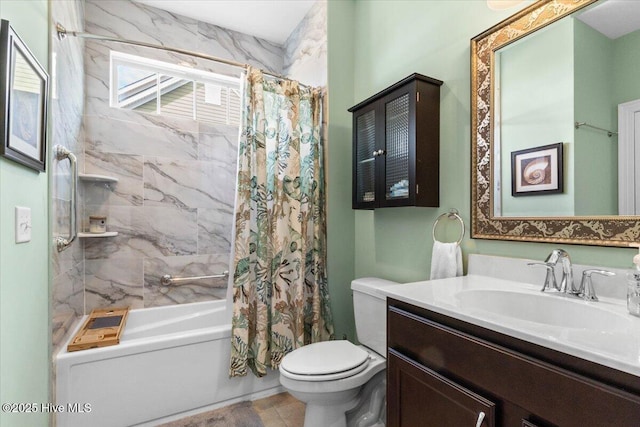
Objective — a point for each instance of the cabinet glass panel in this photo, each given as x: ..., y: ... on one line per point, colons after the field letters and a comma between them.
x: 397, y: 148
x: 366, y: 145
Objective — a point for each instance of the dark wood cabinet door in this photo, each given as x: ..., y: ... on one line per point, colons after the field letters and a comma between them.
x: 366, y: 127
x: 397, y: 177
x: 418, y: 396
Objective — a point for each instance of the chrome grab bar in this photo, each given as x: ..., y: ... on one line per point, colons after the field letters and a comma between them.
x: 167, y: 280
x: 62, y: 153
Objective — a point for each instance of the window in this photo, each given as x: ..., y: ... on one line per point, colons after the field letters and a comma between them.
x: 152, y: 86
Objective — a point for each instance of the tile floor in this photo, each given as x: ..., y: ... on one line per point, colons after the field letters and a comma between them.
x: 280, y: 410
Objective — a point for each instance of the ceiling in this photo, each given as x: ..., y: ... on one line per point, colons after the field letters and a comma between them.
x: 272, y: 20
x: 613, y: 18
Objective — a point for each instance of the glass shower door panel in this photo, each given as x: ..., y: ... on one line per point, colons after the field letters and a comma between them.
x: 365, y: 160
x: 397, y: 148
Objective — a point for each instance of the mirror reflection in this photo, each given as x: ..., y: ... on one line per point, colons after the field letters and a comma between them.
x: 572, y: 83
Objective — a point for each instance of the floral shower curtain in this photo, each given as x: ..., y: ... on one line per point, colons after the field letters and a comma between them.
x: 280, y: 293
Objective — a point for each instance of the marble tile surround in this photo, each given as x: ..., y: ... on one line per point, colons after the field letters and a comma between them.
x: 113, y: 283
x: 173, y: 204
x: 136, y: 21
x: 67, y: 303
x: 127, y: 168
x: 305, y: 57
x: 185, y: 266
x: 144, y: 231
x: 107, y: 135
x: 185, y: 184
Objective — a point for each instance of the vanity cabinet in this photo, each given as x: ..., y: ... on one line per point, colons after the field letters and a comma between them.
x: 445, y: 372
x: 396, y: 145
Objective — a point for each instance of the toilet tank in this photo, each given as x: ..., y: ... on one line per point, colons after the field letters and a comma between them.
x: 370, y: 310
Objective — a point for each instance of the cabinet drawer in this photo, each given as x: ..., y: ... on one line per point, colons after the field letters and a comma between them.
x: 559, y: 396
x: 427, y: 399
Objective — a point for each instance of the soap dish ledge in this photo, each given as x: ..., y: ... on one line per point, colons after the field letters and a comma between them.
x: 85, y: 235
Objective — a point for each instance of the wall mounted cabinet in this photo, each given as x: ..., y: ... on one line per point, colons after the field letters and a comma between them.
x: 396, y: 145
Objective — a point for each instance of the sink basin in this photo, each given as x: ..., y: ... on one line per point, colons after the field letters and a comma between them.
x: 547, y: 309
x: 602, y: 332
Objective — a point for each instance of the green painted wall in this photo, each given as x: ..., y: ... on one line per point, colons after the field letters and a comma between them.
x: 626, y: 56
x: 340, y: 218
x: 595, y: 154
x: 536, y: 78
x: 392, y: 39
x: 24, y: 289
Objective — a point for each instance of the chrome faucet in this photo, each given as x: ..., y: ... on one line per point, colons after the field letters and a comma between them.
x: 550, y: 282
x: 566, y: 284
x: 586, y: 291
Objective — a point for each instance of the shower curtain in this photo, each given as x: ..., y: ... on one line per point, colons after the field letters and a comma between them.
x: 280, y: 293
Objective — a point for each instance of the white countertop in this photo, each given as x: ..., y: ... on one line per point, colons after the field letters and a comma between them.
x: 602, y: 332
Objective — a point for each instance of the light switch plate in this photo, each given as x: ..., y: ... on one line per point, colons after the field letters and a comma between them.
x: 23, y: 224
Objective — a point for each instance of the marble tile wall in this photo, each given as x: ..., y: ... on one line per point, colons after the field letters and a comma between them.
x: 66, y: 129
x: 172, y: 210
x: 173, y: 204
x: 305, y: 50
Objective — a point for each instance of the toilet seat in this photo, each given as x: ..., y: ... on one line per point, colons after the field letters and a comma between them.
x: 324, y: 361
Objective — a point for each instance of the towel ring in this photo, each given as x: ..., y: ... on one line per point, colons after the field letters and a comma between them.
x: 452, y: 214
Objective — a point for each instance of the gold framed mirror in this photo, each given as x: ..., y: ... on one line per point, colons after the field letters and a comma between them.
x: 491, y: 176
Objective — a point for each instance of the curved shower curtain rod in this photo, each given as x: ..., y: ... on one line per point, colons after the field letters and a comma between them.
x: 63, y: 33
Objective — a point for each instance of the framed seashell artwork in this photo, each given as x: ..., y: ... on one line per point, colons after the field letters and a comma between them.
x: 537, y: 170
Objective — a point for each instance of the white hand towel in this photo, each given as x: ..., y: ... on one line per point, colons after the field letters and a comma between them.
x: 446, y: 260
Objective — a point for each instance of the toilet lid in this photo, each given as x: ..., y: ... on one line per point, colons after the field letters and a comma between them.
x: 324, y: 358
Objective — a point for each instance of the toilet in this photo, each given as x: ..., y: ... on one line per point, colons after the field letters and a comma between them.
x: 344, y: 384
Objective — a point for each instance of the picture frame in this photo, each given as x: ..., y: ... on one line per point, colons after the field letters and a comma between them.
x: 24, y: 88
x: 537, y: 171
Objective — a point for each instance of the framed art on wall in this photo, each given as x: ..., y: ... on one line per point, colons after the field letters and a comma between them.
x: 23, y: 93
x: 537, y: 170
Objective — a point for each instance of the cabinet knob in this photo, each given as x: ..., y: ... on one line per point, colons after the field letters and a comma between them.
x: 378, y: 153
x: 481, y: 416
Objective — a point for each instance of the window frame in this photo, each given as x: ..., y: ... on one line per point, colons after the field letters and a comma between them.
x: 173, y: 71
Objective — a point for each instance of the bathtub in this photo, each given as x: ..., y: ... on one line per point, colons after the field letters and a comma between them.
x: 171, y: 362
